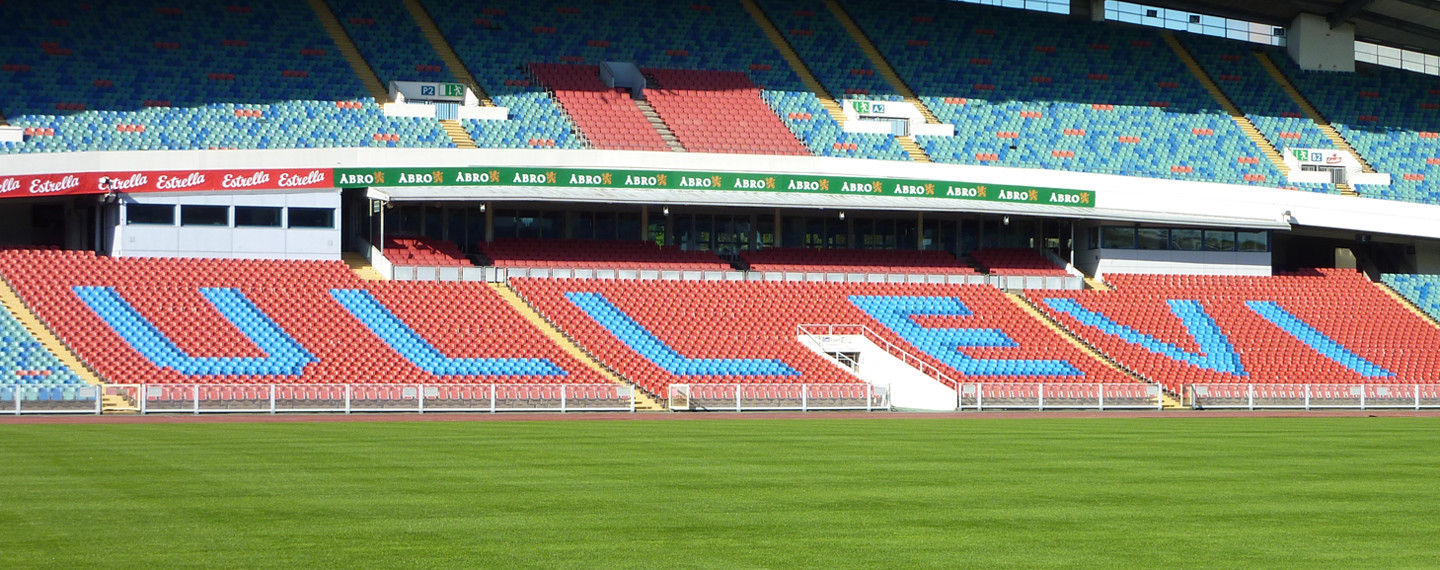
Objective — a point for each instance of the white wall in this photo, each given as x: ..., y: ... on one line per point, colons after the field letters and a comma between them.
x: 1170, y: 262
x: 909, y: 387
x: 1315, y: 46
x: 145, y: 240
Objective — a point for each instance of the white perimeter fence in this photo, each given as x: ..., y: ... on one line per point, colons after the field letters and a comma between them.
x: 791, y: 397
x: 1313, y: 396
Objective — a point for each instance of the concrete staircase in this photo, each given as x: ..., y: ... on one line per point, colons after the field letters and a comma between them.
x: 1246, y: 125
x: 912, y: 148
x: 347, y: 48
x: 1039, y: 315
x: 458, y: 134
x: 878, y: 60
x: 643, y: 402
x: 12, y: 302
x: 1096, y: 284
x: 1408, y: 304
x: 362, y: 267
x: 446, y: 53
x: 1310, y: 111
x: 659, y: 125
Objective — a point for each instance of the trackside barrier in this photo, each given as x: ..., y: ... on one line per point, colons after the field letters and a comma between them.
x: 792, y: 397
x: 1313, y: 396
x: 18, y: 399
x: 352, y: 398
x: 1021, y: 396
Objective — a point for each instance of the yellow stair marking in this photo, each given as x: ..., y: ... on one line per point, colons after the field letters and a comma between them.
x: 347, y: 49
x: 1408, y: 304
x: 458, y: 133
x: 52, y: 343
x: 445, y: 51
x: 1096, y: 284
x: 1320, y: 122
x: 912, y: 148
x: 362, y: 267
x: 643, y: 401
x: 1085, y: 347
x: 796, y: 64
x: 879, y: 62
x: 1246, y: 125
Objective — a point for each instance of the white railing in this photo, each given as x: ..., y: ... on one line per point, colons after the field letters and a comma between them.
x: 502, y: 274
x: 816, y: 332
x: 1313, y: 396
x: 17, y: 399
x: 352, y: 398
x: 1060, y: 396
x: 793, y: 397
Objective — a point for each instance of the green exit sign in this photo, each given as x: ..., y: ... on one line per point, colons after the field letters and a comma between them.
x: 454, y: 90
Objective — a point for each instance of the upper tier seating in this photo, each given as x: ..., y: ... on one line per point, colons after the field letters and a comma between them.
x: 659, y: 333
x: 718, y: 111
x: 1015, y: 261
x: 827, y: 49
x: 1026, y: 89
x: 1422, y: 290
x: 188, y: 75
x: 1390, y: 116
x: 390, y: 40
x: 855, y: 261
x: 803, y: 114
x: 597, y: 254
x: 1317, y: 327
x: 608, y: 117
x: 155, y: 321
x: 24, y: 361
x: 423, y: 251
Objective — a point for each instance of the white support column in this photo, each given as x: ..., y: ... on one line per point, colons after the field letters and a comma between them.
x: 195, y: 392
x: 272, y: 398
x: 492, y: 398
x: 804, y: 397
x: 1042, y: 397
x: 1307, y: 397
x: 737, y: 397
x: 1102, y: 396
x: 420, y: 395
x: 1250, y: 389
x: 562, y: 398
x: 347, y: 398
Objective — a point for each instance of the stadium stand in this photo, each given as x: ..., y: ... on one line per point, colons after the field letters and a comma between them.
x: 842, y: 260
x: 807, y: 119
x: 1390, y: 116
x: 597, y: 254
x: 195, y: 75
x: 1035, y: 91
x: 827, y: 49
x: 164, y: 321
x: 1422, y: 290
x: 608, y: 117
x: 1015, y: 261
x: 662, y: 332
x: 1319, y: 326
x: 390, y: 41
x: 26, y: 366
x: 423, y: 251
x: 715, y: 111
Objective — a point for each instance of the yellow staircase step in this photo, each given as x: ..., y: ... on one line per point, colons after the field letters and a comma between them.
x: 445, y: 51
x: 912, y: 148
x: 347, y: 49
x: 881, y: 65
x: 362, y: 267
x: 458, y: 133
x: 643, y: 402
x: 1310, y: 111
x: 1408, y: 304
x: 1246, y: 125
x: 52, y: 343
x: 1096, y: 284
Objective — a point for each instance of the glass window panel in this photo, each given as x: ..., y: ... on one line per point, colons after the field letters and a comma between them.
x: 1116, y: 237
x: 150, y: 214
x: 204, y: 215
x: 1252, y: 241
x: 1218, y: 240
x: 257, y: 216
x: 1186, y: 240
x: 312, y: 217
x: 1152, y: 238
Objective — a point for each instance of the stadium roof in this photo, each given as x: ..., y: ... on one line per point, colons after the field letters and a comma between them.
x: 1411, y: 24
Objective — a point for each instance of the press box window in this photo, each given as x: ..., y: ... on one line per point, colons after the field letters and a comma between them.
x: 312, y: 217
x: 1253, y: 241
x: 1153, y: 238
x: 1186, y: 240
x: 150, y: 214
x: 204, y: 215
x: 257, y: 217
x: 1118, y: 237
x: 1219, y: 240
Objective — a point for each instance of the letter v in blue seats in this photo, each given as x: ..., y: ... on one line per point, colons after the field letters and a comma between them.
x: 945, y: 343
x: 642, y: 341
x: 1315, y: 339
x: 404, y: 340
x: 284, y: 356
x: 1217, y: 353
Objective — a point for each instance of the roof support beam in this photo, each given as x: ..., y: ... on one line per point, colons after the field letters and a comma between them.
x: 1346, y: 11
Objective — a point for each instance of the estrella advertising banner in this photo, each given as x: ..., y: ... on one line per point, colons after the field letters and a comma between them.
x: 710, y: 181
x: 70, y: 184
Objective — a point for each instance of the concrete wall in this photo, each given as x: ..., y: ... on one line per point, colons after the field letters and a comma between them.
x: 1315, y: 46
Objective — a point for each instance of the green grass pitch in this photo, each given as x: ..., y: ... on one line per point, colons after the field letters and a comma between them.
x: 894, y: 493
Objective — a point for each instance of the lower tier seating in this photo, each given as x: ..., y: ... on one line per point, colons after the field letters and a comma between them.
x: 1015, y: 261
x: 1320, y: 326
x: 597, y: 254
x: 157, y: 321
x: 659, y: 333
x: 855, y: 261
x: 1422, y: 290
x: 423, y: 251
x: 24, y: 361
